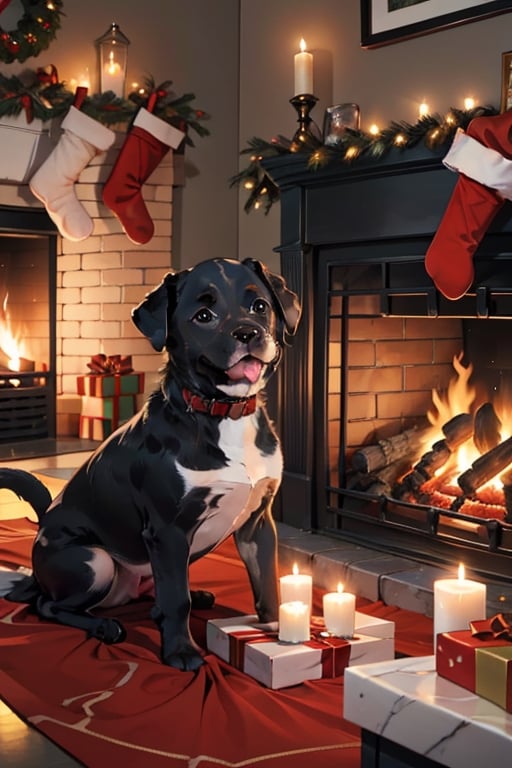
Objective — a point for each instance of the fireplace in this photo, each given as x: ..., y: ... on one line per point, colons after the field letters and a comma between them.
x: 73, y: 300
x: 387, y: 377
x: 27, y: 325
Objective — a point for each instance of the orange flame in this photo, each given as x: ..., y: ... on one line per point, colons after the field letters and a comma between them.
x: 11, y: 345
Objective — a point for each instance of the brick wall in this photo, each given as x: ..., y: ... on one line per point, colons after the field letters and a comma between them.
x: 392, y: 366
x: 100, y: 279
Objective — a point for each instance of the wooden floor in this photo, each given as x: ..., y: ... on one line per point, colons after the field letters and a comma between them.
x: 21, y: 745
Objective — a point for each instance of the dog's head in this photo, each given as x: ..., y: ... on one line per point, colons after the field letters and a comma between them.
x: 223, y: 323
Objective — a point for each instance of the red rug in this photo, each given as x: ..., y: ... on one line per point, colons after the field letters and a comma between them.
x: 119, y: 705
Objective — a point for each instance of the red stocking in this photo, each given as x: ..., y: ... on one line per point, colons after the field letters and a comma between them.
x: 145, y: 146
x: 483, y: 162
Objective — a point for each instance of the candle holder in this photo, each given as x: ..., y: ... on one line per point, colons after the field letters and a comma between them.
x: 113, y: 56
x: 307, y: 136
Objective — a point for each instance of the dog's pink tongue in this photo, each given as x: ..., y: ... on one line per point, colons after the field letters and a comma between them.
x: 247, y: 368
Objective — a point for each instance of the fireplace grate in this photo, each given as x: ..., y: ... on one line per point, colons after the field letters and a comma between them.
x: 24, y: 413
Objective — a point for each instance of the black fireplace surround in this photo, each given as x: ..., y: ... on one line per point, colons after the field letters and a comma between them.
x: 363, y: 230
x: 28, y: 253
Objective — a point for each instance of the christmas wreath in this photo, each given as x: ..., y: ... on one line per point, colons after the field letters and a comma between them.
x: 34, y: 32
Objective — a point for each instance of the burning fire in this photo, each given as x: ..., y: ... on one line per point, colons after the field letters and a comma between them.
x: 12, y: 347
x: 459, y: 396
x: 468, y: 460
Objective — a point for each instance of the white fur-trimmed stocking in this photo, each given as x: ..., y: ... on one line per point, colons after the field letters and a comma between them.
x: 53, y: 183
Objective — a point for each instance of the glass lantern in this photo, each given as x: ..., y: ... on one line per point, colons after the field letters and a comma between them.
x: 113, y: 58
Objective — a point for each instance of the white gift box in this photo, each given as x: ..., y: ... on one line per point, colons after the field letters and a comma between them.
x: 23, y: 147
x: 255, y: 649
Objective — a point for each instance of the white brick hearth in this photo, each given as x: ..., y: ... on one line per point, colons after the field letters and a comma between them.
x: 101, y: 278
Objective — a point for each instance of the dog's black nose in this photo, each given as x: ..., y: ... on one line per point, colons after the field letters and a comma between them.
x: 245, y: 333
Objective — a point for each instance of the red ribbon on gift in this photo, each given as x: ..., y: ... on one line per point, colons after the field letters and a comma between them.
x: 498, y: 627
x: 112, y: 364
x: 238, y: 640
x: 335, y: 654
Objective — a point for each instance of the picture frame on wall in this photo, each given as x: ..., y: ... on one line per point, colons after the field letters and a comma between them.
x: 506, y: 81
x: 384, y: 22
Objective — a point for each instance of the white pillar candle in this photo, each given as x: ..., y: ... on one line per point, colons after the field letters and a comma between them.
x: 303, y: 71
x: 457, y: 602
x: 340, y: 612
x: 113, y: 76
x: 294, y: 622
x: 297, y: 586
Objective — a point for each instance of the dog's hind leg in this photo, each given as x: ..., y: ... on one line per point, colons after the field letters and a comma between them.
x: 108, y: 630
x: 72, y: 581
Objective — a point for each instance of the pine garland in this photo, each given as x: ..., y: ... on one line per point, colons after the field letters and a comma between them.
x: 40, y: 95
x: 433, y: 130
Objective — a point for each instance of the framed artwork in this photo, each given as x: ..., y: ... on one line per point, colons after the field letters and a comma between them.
x: 506, y: 81
x: 388, y: 21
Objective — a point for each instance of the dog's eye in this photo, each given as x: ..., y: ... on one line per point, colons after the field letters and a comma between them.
x: 204, y: 315
x: 259, y: 306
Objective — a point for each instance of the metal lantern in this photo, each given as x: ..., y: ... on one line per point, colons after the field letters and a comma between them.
x: 113, y: 58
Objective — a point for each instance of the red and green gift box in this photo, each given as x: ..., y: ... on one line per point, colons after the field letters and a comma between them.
x: 110, y: 385
x: 108, y: 395
x: 480, y: 659
x: 111, y: 376
x: 256, y: 650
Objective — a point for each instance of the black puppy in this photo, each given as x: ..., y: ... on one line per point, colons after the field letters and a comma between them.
x: 201, y: 461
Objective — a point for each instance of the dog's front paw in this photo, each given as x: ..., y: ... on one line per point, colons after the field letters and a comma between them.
x: 186, y: 658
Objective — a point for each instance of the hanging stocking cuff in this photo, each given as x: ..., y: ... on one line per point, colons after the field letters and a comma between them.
x: 159, y: 128
x: 482, y: 164
x: 88, y: 129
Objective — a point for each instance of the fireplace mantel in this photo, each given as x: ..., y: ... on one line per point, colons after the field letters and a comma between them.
x: 381, y: 212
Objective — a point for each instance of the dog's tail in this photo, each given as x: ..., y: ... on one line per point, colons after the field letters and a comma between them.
x: 27, y: 487
x: 32, y: 490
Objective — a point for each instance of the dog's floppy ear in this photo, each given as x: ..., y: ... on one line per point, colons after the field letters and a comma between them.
x: 287, y: 302
x: 151, y: 315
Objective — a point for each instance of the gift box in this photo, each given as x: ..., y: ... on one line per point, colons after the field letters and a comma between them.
x: 462, y: 656
x: 494, y: 675
x: 91, y: 428
x: 256, y: 650
x: 110, y: 385
x: 116, y: 409
x: 23, y: 147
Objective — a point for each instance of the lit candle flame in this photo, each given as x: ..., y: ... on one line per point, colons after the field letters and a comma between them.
x: 462, y: 572
x: 295, y: 569
x: 303, y: 46
x: 113, y: 67
x: 340, y: 588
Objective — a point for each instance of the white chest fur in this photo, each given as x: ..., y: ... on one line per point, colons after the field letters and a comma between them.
x: 236, y: 488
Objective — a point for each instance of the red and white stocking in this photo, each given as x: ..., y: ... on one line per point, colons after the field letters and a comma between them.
x: 483, y: 158
x: 54, y: 182
x: 148, y: 141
